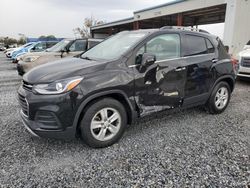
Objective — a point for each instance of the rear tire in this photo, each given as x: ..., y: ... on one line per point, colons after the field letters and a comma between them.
x: 103, y: 123
x: 219, y: 98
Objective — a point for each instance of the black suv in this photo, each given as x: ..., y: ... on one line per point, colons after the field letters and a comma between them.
x: 130, y: 75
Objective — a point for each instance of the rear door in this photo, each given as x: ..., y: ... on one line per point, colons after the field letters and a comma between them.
x: 200, y: 57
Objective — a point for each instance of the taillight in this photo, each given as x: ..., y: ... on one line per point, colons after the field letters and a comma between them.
x: 235, y: 64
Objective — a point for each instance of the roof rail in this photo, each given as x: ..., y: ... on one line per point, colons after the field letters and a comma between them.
x: 184, y: 28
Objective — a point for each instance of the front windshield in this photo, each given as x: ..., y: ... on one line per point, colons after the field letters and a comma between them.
x: 115, y: 46
x: 32, y: 45
x: 28, y: 44
x: 59, y: 46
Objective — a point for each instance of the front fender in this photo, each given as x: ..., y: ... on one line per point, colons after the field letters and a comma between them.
x: 97, y: 95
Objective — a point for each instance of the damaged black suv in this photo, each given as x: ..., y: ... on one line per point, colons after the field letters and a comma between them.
x: 130, y: 75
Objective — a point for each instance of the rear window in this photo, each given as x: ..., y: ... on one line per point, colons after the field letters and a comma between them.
x: 196, y: 45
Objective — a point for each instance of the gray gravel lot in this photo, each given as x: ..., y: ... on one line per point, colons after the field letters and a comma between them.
x: 182, y: 148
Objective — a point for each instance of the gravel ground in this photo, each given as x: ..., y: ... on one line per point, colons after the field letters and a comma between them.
x: 182, y: 148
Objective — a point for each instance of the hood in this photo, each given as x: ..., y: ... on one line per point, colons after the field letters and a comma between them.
x: 43, y: 53
x: 61, y: 69
x: 245, y: 53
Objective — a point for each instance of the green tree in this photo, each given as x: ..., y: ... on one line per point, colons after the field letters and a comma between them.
x: 49, y: 37
x: 9, y: 41
x: 21, y: 41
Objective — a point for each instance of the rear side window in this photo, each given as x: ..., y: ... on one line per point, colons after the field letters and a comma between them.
x: 196, y: 45
x: 248, y: 42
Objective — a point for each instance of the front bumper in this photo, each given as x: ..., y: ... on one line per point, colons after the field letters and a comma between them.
x: 244, y: 67
x: 244, y: 72
x: 34, y: 129
x: 50, y: 116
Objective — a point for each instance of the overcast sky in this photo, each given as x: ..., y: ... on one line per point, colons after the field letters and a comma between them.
x: 59, y: 17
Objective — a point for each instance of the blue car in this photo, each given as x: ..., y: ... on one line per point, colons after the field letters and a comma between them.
x: 21, y: 49
x: 33, y: 47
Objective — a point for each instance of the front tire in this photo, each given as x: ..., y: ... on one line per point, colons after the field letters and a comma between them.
x: 219, y: 98
x: 103, y: 123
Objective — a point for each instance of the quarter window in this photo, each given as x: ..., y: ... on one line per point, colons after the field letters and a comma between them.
x: 165, y: 46
x: 210, y: 47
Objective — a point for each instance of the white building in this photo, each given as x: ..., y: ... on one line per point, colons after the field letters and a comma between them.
x: 235, y: 14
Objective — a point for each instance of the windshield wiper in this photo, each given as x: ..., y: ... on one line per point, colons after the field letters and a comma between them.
x: 85, y: 57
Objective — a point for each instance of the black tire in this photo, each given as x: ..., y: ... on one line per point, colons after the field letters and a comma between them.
x: 89, y: 114
x: 211, y: 106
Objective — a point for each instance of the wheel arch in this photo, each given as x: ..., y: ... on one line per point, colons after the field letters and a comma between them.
x: 115, y: 94
x: 228, y: 79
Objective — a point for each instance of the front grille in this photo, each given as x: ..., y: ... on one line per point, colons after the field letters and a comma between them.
x: 24, y: 105
x: 245, y: 62
x: 27, y: 86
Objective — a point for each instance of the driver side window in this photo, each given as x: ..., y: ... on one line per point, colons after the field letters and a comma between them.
x: 166, y: 46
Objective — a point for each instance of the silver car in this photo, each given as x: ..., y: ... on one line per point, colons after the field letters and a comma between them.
x: 65, y: 48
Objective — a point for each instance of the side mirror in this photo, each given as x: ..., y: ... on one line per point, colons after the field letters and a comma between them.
x: 148, y: 60
x: 64, y: 50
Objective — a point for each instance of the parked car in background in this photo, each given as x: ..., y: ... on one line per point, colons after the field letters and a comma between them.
x: 10, y: 51
x: 130, y: 75
x: 2, y: 48
x: 244, y: 62
x: 65, y: 48
x: 36, y: 47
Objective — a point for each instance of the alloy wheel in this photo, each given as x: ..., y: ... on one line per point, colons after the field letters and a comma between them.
x: 221, y: 98
x: 105, y: 124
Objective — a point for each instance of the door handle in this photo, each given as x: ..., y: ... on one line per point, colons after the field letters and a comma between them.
x: 215, y: 60
x: 180, y: 69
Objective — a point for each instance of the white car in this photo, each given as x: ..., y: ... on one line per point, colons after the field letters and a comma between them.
x: 8, y: 52
x: 244, y: 61
x: 12, y: 50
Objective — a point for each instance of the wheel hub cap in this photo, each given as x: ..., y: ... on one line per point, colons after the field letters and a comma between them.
x: 221, y: 98
x: 105, y: 124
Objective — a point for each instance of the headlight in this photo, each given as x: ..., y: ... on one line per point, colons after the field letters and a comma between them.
x: 30, y: 58
x: 19, y: 58
x: 57, y: 87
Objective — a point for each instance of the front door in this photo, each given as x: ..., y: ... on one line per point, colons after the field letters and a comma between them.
x: 161, y: 85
